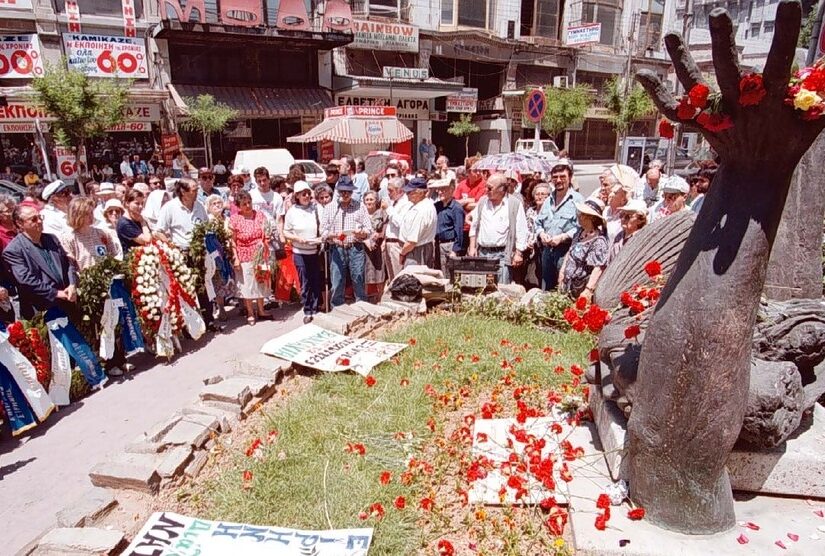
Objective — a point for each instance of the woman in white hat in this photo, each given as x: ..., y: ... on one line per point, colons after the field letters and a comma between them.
x: 112, y: 211
x: 633, y: 216
x: 585, y: 261
x: 302, y: 228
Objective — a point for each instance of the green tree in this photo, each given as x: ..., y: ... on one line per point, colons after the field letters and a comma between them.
x: 626, y: 104
x: 564, y: 108
x: 464, y: 127
x: 84, y: 107
x: 208, y: 116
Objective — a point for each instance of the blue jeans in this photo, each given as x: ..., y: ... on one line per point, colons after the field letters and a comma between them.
x: 551, y: 259
x: 309, y: 271
x: 503, y: 267
x: 346, y: 261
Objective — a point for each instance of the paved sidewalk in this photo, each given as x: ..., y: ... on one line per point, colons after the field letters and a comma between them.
x: 49, y: 469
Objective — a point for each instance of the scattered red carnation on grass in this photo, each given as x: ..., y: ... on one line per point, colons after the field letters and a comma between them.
x: 369, y: 380
x: 247, y: 479
x: 412, y: 341
x: 636, y: 514
x: 751, y: 90
x: 405, y: 381
x: 343, y: 362
x: 253, y: 447
x: 377, y: 511
x: 445, y: 548
x: 385, y: 478
x: 400, y: 503
x: 356, y: 448
x: 426, y: 504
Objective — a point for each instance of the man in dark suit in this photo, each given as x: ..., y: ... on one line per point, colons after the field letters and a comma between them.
x: 39, y: 266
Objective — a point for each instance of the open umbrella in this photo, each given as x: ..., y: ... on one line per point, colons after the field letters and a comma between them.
x: 523, y: 163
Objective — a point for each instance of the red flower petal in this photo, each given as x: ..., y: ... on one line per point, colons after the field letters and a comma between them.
x: 445, y: 548
x: 369, y: 380
x: 742, y: 539
x: 400, y: 503
x: 793, y: 536
x: 636, y: 514
x: 385, y: 478
x: 752, y: 525
x: 781, y: 545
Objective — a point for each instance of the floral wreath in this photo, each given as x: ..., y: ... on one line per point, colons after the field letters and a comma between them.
x: 26, y: 337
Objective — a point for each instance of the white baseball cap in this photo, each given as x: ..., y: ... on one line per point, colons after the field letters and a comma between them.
x: 54, y: 187
x: 676, y: 184
x: 299, y: 186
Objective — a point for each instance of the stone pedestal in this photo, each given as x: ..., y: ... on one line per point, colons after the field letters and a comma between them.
x: 796, y: 467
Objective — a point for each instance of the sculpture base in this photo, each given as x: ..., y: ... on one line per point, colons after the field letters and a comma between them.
x: 796, y: 467
x: 776, y: 517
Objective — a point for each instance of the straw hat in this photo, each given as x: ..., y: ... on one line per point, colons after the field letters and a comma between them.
x: 593, y: 207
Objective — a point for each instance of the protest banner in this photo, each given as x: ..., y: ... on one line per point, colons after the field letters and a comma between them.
x: 171, y: 534
x: 313, y: 346
x: 106, y: 56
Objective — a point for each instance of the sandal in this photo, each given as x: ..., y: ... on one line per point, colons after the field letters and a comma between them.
x: 266, y: 316
x: 250, y: 321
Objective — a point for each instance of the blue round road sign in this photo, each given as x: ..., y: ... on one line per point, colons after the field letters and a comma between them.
x: 536, y: 102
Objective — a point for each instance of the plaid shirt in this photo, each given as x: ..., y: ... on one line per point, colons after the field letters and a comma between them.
x: 338, y: 220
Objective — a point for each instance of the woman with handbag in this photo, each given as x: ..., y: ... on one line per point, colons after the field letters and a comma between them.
x: 302, y: 228
x: 249, y: 230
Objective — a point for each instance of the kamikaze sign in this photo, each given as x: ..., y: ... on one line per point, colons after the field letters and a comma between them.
x: 20, y: 57
x: 106, y: 56
x: 171, y: 534
x: 373, y: 35
x: 313, y: 346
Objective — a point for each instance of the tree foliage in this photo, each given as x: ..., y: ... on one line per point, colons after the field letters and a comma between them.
x: 626, y: 108
x: 565, y: 107
x: 464, y: 127
x: 807, y: 30
x: 83, y: 107
x: 207, y: 115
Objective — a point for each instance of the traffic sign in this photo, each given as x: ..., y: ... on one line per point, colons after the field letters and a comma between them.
x: 536, y: 103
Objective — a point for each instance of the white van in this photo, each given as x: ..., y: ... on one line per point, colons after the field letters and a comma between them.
x: 546, y: 148
x: 277, y: 161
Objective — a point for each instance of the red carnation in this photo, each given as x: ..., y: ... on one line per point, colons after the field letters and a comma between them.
x: 342, y: 237
x: 714, y: 122
x: 369, y: 381
x: 699, y: 96
x: 603, y: 501
x: 653, y: 268
x: 751, y: 90
x: 400, y: 503
x: 445, y: 548
x: 685, y: 110
x: 581, y: 303
x: 815, y: 80
x: 636, y: 514
x: 666, y: 130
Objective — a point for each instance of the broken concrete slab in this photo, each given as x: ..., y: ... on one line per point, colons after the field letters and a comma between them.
x: 230, y: 408
x: 226, y: 420
x: 213, y: 379
x: 376, y: 311
x: 93, y: 504
x: 196, y: 465
x: 69, y: 541
x: 264, y: 366
x: 397, y: 307
x: 172, y: 465
x: 143, y: 446
x: 351, y: 311
x: 233, y: 390
x: 156, y: 432
x: 333, y: 323
x: 192, y: 430
x: 129, y: 472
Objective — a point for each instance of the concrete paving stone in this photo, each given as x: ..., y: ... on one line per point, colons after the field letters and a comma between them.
x: 93, y: 504
x: 67, y: 541
x: 232, y: 390
x: 143, y: 446
x: 174, y: 462
x: 128, y: 472
x: 261, y: 364
x: 397, y: 307
x: 257, y: 385
x: 377, y: 311
x: 161, y: 428
x: 196, y: 465
x: 351, y: 311
x: 611, y: 424
x: 226, y: 419
x: 230, y: 408
x: 331, y: 322
x: 192, y: 430
x: 213, y: 379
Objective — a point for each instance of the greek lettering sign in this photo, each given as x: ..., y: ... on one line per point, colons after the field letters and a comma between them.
x: 20, y: 57
x: 466, y: 101
x: 28, y: 112
x: 584, y: 34
x: 15, y: 5
x: 313, y: 346
x: 359, y: 111
x: 106, y: 56
x: 406, y: 108
x: 25, y: 127
x: 373, y: 35
x: 391, y: 72
x: 171, y: 534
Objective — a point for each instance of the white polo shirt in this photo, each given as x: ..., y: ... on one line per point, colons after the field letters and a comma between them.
x: 419, y: 224
x: 55, y: 221
x: 495, y: 224
x: 177, y: 221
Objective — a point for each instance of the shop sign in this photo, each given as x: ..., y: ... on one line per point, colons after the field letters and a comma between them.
x: 106, y: 56
x: 469, y: 49
x: 73, y: 16
x: 22, y: 127
x: 129, y: 18
x: 584, y: 34
x: 391, y: 72
x: 359, y: 111
x: 15, y: 5
x: 406, y: 108
x: 28, y: 112
x: 374, y: 129
x: 327, y: 151
x: 131, y: 127
x: 66, y: 165
x: 20, y: 57
x: 169, y: 144
x: 466, y: 101
x: 495, y: 104
x: 393, y: 36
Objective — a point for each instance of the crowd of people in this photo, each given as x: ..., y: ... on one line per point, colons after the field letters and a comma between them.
x: 349, y: 236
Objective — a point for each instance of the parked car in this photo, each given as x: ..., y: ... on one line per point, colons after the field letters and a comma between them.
x: 314, y: 172
x: 545, y: 148
x: 14, y: 189
x: 277, y: 161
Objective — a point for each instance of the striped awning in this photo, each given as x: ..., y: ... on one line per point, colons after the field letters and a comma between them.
x: 357, y: 130
x: 259, y: 102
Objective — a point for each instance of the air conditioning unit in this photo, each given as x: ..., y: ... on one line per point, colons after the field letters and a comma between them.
x: 561, y: 82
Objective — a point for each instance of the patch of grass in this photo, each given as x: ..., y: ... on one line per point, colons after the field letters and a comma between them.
x: 307, y: 479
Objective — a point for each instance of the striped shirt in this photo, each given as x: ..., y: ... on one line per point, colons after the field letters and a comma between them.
x: 347, y: 220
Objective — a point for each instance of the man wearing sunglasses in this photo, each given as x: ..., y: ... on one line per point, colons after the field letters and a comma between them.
x: 57, y: 196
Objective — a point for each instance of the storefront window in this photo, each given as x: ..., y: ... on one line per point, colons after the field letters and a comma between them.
x: 606, y: 14
x: 472, y: 13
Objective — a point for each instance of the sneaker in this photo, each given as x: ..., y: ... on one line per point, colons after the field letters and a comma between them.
x: 115, y: 371
x: 307, y: 319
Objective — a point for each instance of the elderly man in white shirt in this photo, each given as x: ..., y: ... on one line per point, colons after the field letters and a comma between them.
x: 499, y: 228
x: 418, y: 228
x: 126, y: 168
x: 396, y: 208
x: 57, y: 196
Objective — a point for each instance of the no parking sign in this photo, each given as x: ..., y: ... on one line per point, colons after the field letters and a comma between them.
x: 535, y: 105
x: 106, y: 56
x: 20, y: 57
